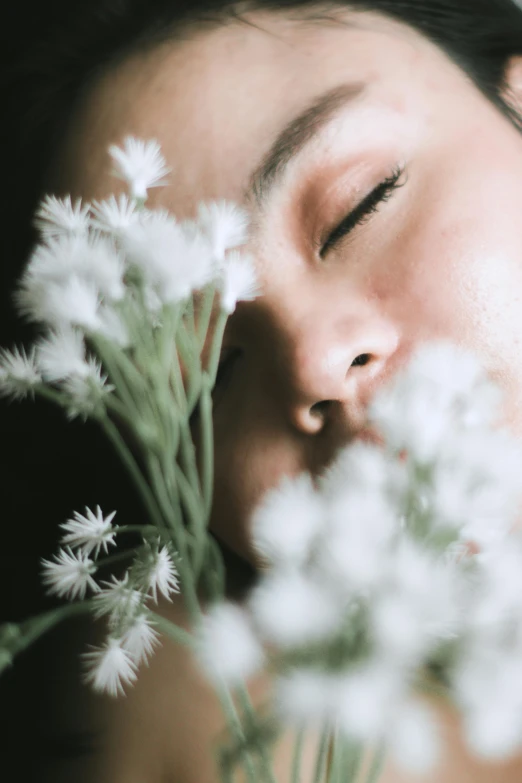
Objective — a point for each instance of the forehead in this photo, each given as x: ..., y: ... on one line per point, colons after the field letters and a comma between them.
x: 217, y: 100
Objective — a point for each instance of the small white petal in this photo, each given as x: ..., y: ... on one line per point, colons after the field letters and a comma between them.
x: 291, y: 610
x: 228, y: 648
x: 115, y: 215
x: 109, y: 667
x: 70, y: 574
x: 58, y: 216
x: 140, y: 638
x: 225, y: 223
x: 19, y: 372
x: 61, y: 354
x: 287, y: 521
x: 172, y: 262
x: 91, y: 532
x: 86, y: 395
x: 239, y: 281
x: 140, y: 164
x: 119, y: 601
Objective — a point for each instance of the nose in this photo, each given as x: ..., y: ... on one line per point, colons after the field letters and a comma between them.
x: 334, y: 365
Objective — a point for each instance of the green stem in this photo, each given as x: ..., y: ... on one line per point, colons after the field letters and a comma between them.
x: 249, y: 712
x: 235, y: 728
x: 207, y: 444
x: 322, y: 756
x: 377, y: 764
x: 171, y: 629
x: 131, y: 465
x: 298, y: 756
x: 34, y: 627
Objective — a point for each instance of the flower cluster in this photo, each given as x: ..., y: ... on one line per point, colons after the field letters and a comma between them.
x: 124, y: 297
x: 400, y: 561
x: 124, y: 602
x: 103, y: 270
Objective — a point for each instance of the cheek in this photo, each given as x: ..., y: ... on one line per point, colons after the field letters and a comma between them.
x: 457, y: 265
x: 252, y: 454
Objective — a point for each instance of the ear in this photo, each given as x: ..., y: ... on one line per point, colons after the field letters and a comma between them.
x: 512, y: 91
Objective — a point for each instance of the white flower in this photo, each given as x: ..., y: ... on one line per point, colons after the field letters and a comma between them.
x: 91, y: 531
x: 291, y: 610
x: 86, y: 393
x: 19, y: 372
x: 239, y: 281
x: 57, y: 216
x: 118, y: 600
x: 413, y: 737
x: 112, y: 326
x: 172, y: 262
x: 156, y: 572
x: 103, y: 265
x: 140, y: 638
x: 286, y: 522
x: 62, y: 353
x: 70, y: 574
x: 109, y: 667
x: 225, y: 223
x: 93, y: 259
x: 367, y: 698
x: 115, y: 215
x: 355, y: 547
x: 494, y: 731
x: 140, y: 164
x: 71, y: 302
x: 228, y: 648
x: 442, y: 389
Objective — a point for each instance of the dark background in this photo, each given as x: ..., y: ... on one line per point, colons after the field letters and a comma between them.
x: 48, y: 467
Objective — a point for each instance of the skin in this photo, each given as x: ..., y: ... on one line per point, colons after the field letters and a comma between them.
x: 441, y: 259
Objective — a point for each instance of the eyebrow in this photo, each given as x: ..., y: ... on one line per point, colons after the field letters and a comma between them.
x: 296, y: 135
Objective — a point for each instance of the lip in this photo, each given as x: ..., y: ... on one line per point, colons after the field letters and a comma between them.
x: 369, y: 435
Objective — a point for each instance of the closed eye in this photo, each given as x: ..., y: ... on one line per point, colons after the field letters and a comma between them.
x: 360, y: 214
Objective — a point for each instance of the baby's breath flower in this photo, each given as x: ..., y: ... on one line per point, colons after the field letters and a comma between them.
x: 85, y: 395
x: 91, y: 532
x: 172, y: 262
x: 291, y: 609
x: 226, y: 225
x: 140, y: 164
x: 61, y: 354
x: 287, y: 521
x: 228, y: 648
x: 73, y: 302
x: 70, y: 574
x: 163, y: 576
x: 239, y: 281
x: 119, y: 601
x: 140, y: 639
x: 19, y: 372
x: 57, y: 216
x: 109, y: 667
x: 155, y: 572
x: 114, y: 215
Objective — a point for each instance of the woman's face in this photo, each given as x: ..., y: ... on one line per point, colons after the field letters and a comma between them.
x: 299, y: 121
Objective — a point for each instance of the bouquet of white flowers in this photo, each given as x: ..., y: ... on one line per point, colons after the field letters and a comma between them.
x: 398, y: 571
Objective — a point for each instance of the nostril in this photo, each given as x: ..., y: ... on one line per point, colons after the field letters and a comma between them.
x: 320, y: 408
x: 361, y: 360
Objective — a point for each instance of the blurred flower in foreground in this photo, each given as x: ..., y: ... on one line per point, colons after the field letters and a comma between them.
x: 362, y: 595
